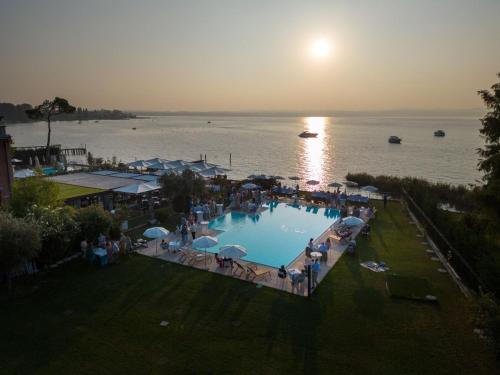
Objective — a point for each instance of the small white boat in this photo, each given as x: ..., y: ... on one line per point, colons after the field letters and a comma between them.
x: 439, y: 133
x: 394, y: 139
x: 306, y: 134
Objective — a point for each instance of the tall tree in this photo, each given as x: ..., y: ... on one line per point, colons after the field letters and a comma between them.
x: 46, y: 112
x: 490, y: 153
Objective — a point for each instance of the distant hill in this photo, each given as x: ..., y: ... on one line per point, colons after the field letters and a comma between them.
x: 16, y: 113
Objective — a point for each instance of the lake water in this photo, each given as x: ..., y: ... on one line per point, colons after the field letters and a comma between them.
x: 270, y: 145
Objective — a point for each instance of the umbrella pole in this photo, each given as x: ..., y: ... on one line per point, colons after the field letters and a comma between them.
x: 206, y: 258
x: 156, y: 247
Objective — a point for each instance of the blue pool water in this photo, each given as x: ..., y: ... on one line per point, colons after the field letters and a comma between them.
x: 276, y: 236
x: 49, y: 171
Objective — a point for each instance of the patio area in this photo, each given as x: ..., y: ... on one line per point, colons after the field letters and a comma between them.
x: 268, y: 275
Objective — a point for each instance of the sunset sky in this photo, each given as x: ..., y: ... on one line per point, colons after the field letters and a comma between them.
x: 250, y: 55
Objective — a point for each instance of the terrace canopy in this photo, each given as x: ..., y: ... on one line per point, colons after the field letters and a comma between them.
x: 138, y: 188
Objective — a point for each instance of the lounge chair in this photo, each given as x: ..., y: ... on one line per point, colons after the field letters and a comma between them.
x: 257, y: 273
x: 186, y: 255
x: 200, y: 258
x: 241, y: 268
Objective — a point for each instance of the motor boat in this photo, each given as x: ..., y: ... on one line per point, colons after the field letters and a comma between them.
x: 306, y: 134
x: 394, y: 139
x: 439, y: 133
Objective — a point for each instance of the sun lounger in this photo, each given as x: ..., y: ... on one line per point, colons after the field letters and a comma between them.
x: 196, y: 258
x: 186, y: 255
x: 254, y: 274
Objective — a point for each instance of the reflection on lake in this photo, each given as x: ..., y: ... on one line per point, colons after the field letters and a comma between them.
x: 270, y: 145
x: 314, y: 151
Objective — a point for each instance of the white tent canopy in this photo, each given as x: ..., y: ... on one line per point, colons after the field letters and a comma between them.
x: 138, y: 188
x: 139, y: 164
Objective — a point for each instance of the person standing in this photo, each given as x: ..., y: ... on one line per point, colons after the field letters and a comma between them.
x: 102, y: 240
x: 184, y: 233
x: 385, y: 200
x: 83, y: 247
x: 315, y: 272
x: 192, y: 225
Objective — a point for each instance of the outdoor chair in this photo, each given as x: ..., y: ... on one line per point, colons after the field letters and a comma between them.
x: 257, y: 273
x: 185, y: 255
x: 241, y: 268
x: 197, y: 258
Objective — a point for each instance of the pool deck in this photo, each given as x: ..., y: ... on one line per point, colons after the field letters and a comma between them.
x: 272, y: 281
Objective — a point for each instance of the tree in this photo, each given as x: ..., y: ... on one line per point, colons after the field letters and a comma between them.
x: 19, y: 242
x: 490, y: 153
x: 31, y: 191
x: 46, y: 111
x: 180, y: 188
x: 57, y: 229
x: 93, y: 220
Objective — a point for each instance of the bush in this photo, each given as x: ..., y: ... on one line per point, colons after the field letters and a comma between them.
x: 167, y: 217
x: 20, y: 241
x: 58, y: 230
x: 28, y: 192
x: 92, y: 221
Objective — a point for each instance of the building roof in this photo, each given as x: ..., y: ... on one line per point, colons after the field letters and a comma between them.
x: 93, y: 180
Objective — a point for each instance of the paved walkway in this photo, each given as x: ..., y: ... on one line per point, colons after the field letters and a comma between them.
x: 270, y: 280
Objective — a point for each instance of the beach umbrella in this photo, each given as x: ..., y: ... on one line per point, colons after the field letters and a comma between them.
x: 370, y: 189
x: 351, y: 183
x: 335, y: 184
x: 204, y: 242
x: 249, y: 186
x: 294, y: 178
x: 312, y: 182
x: 155, y: 233
x: 232, y: 251
x: 37, y: 162
x: 352, y: 221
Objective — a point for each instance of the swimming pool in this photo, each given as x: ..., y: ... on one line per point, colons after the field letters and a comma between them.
x: 275, y: 236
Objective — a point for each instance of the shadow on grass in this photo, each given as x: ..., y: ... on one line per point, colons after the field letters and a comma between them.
x: 296, y: 322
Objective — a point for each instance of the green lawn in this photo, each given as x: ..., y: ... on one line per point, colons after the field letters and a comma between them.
x: 85, y: 320
x: 67, y: 191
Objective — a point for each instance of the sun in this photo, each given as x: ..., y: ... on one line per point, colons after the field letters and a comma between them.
x: 320, y: 48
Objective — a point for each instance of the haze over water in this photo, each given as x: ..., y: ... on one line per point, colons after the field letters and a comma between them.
x: 270, y: 145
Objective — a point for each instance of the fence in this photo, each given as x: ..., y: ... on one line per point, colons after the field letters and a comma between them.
x: 454, y: 257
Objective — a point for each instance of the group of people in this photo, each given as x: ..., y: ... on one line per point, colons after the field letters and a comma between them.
x: 113, y: 248
x: 248, y: 200
x: 323, y: 248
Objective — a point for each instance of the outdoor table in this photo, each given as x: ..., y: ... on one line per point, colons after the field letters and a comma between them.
x: 102, y: 255
x: 173, y: 245
x: 199, y: 215
x: 293, y: 272
x: 220, y: 209
x: 204, y: 227
x: 315, y: 254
